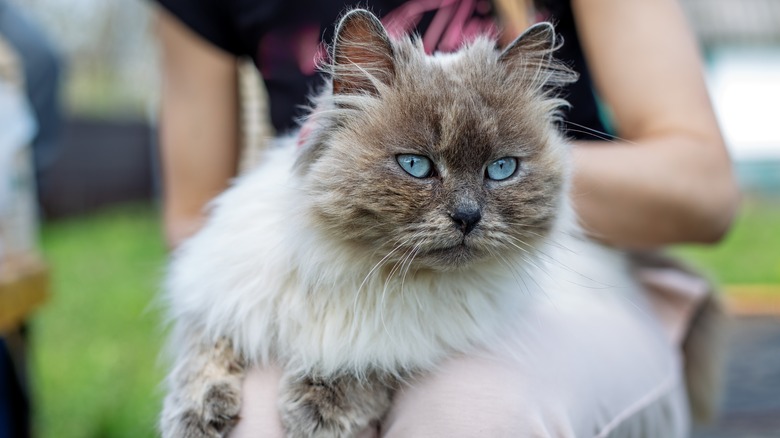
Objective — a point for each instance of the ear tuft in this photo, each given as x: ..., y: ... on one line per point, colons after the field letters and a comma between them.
x: 362, y: 54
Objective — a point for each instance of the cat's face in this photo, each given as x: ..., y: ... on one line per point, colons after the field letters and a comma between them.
x: 441, y: 162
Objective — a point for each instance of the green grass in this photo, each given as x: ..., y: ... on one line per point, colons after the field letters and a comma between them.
x: 96, y: 344
x: 750, y: 253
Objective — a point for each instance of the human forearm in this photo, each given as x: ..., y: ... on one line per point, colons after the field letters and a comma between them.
x: 198, y: 125
x: 659, y: 191
x: 672, y: 182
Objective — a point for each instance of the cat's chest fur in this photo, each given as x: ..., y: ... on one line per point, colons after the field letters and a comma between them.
x: 260, y: 276
x: 424, y: 214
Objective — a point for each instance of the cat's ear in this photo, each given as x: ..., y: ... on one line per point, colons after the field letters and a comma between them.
x: 362, y: 54
x: 534, y: 50
x: 537, y: 41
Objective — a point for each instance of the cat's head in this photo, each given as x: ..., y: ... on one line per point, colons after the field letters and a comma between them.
x: 446, y: 159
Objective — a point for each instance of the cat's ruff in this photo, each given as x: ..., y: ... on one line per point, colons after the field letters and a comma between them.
x: 282, y: 288
x: 279, y: 299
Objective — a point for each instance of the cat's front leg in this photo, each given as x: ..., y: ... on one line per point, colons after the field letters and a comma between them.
x: 337, y: 407
x: 204, y: 397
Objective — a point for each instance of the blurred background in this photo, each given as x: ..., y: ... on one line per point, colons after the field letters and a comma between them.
x: 92, y: 348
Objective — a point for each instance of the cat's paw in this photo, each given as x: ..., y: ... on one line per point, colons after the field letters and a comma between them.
x: 336, y: 408
x: 212, y: 415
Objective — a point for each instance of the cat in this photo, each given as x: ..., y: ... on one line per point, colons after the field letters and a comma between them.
x: 422, y: 204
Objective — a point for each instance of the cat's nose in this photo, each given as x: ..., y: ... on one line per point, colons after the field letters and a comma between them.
x: 466, y: 218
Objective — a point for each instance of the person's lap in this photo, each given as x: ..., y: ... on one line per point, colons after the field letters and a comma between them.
x: 591, y: 365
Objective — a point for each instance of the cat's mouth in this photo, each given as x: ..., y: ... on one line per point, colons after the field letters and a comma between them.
x: 446, y: 245
x: 453, y: 256
x: 457, y: 247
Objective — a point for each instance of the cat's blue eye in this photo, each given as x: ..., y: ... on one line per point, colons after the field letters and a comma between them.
x: 502, y: 168
x: 416, y: 165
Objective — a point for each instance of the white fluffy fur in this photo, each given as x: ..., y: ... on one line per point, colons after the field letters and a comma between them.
x: 262, y: 276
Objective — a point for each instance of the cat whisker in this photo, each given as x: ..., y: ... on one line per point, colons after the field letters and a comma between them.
x: 525, y: 274
x: 398, y: 264
x: 526, y: 228
x: 373, y: 269
x: 384, y: 290
x: 513, y: 271
x: 529, y: 275
x: 604, y: 139
x: 399, y: 267
x: 393, y: 271
x: 415, y: 251
x: 533, y: 248
x: 530, y: 226
x: 596, y: 133
x: 547, y: 239
x: 537, y: 249
x: 531, y: 257
x: 550, y: 259
x: 518, y: 246
x: 537, y: 253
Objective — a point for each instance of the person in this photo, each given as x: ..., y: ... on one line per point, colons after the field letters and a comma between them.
x: 41, y: 68
x: 42, y: 65
x: 666, y: 180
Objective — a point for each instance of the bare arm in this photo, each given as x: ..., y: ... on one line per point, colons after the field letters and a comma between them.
x: 671, y: 181
x: 198, y: 125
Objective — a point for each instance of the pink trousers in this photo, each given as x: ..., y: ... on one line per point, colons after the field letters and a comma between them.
x: 600, y: 364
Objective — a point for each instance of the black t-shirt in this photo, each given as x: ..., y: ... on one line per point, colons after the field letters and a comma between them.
x: 285, y: 37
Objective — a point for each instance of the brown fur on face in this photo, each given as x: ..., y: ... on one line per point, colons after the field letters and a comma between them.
x: 462, y: 113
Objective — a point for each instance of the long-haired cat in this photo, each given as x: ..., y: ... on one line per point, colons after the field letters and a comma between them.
x: 422, y: 205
